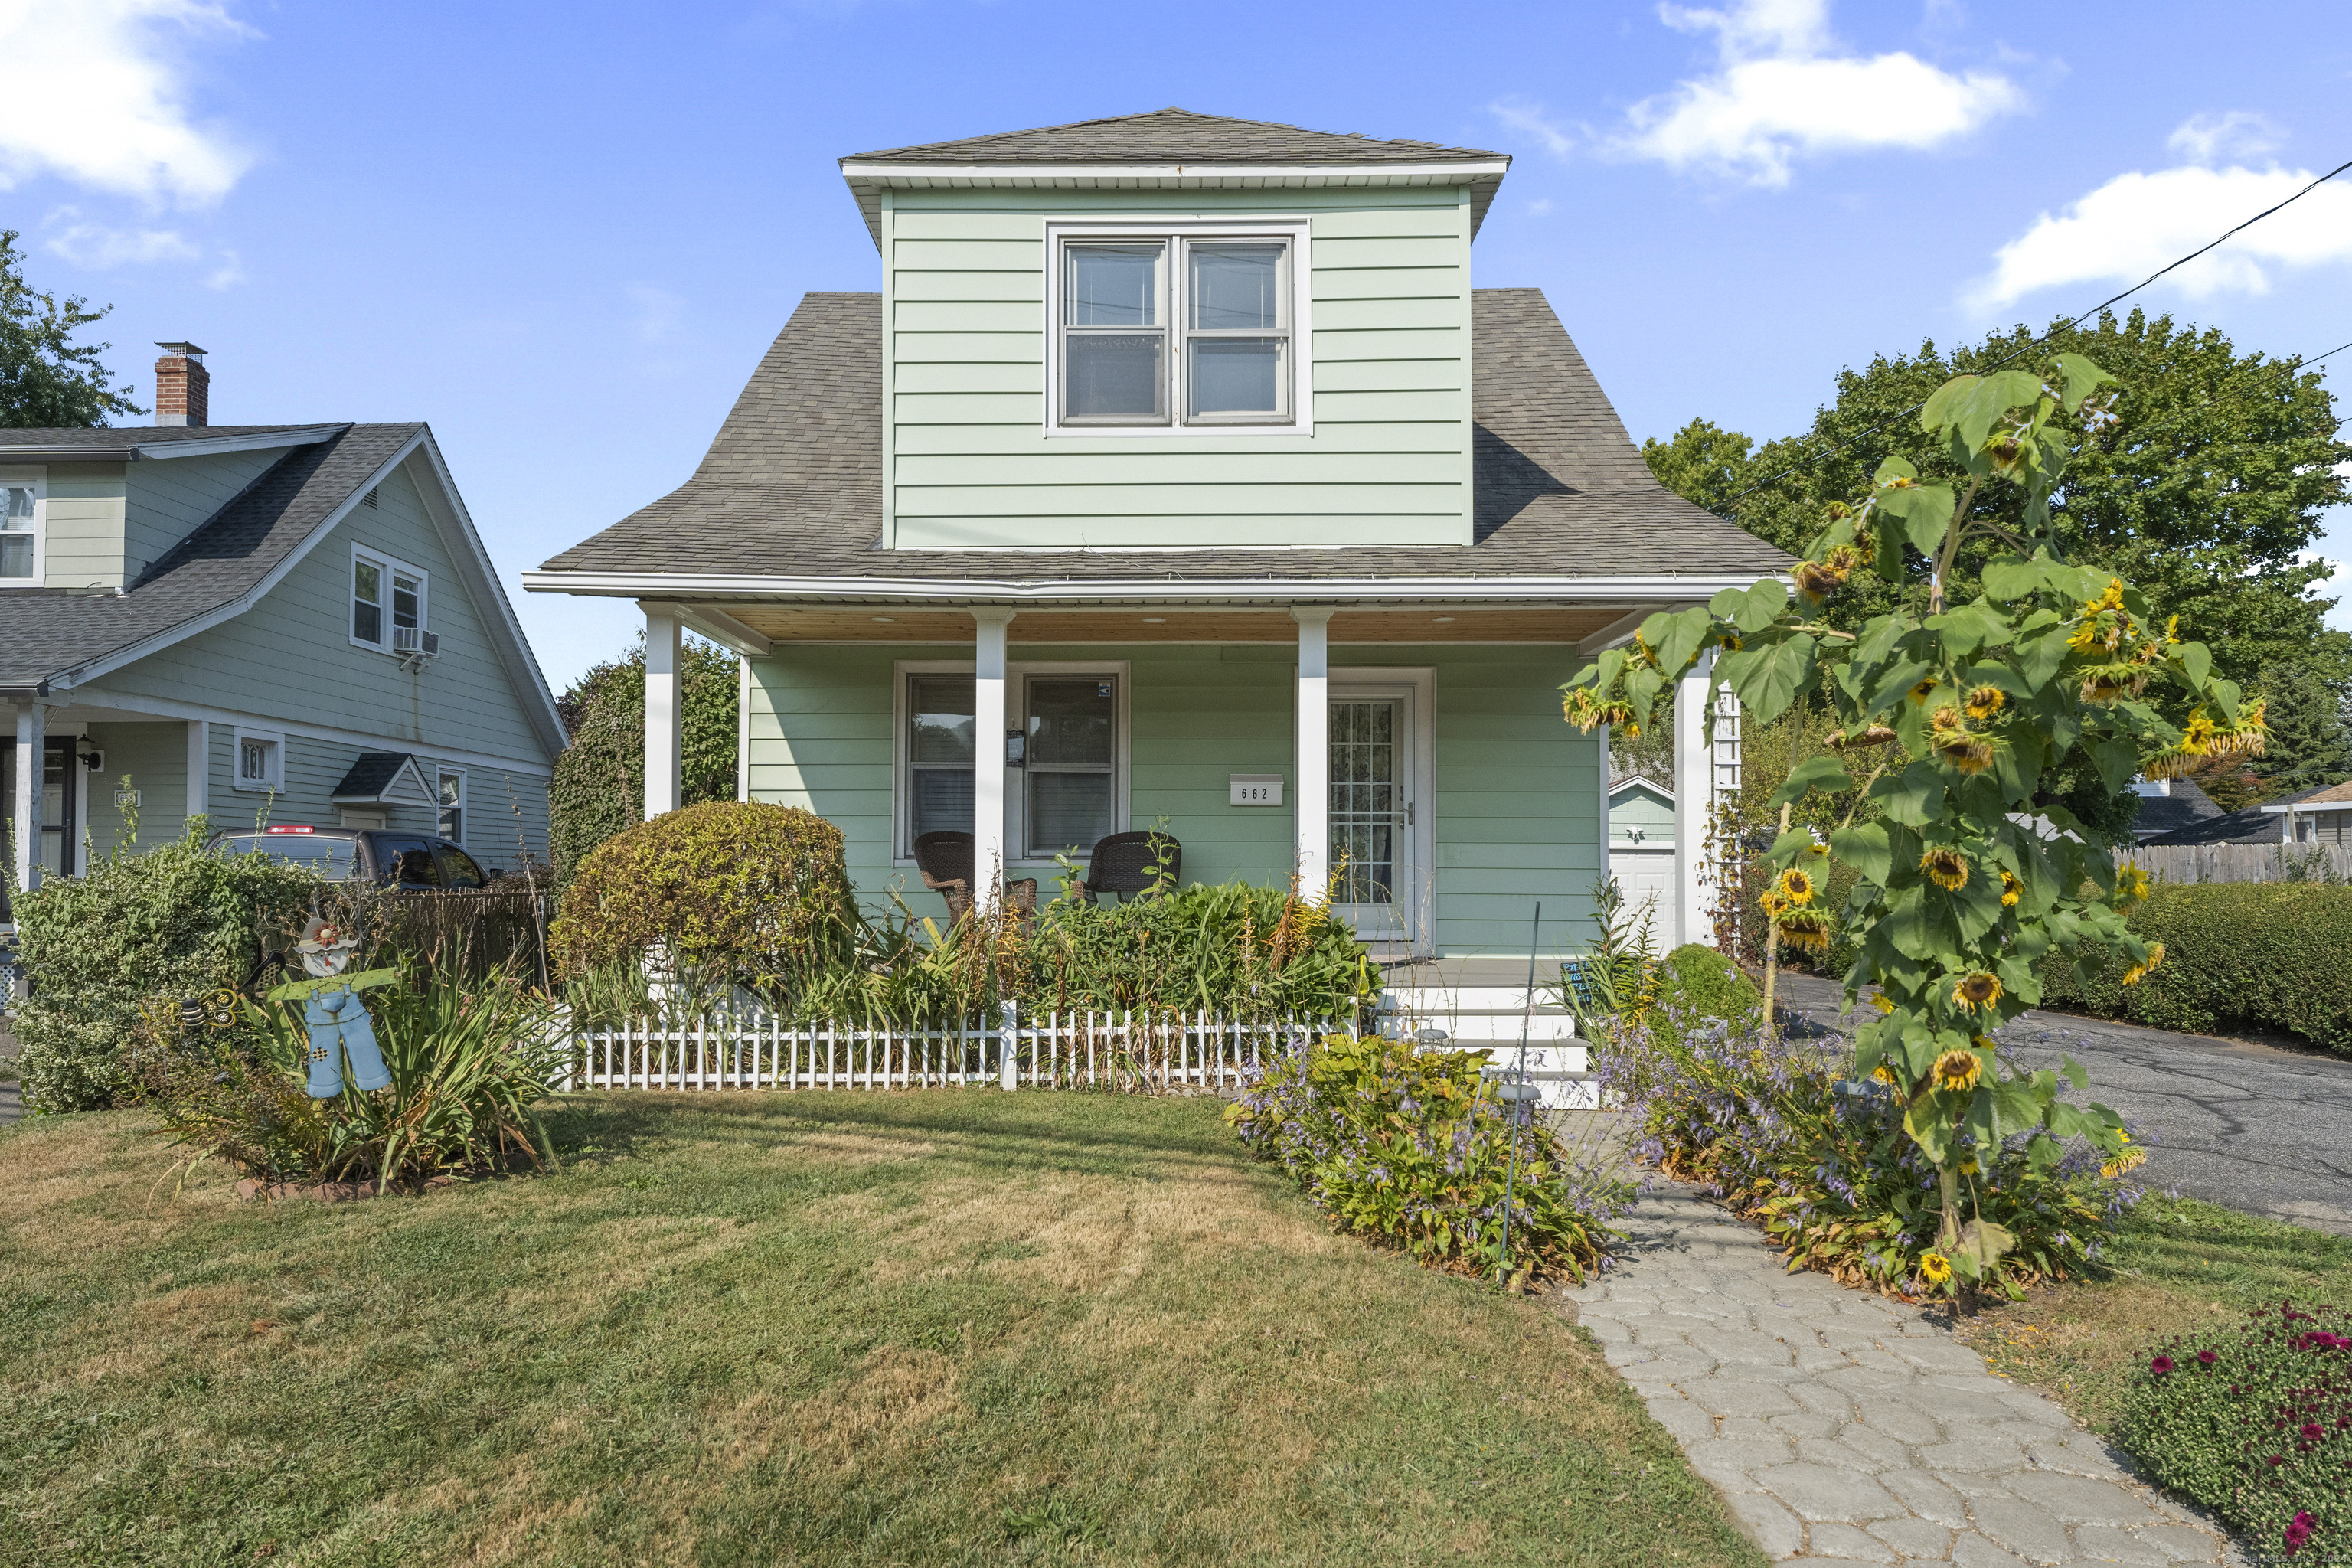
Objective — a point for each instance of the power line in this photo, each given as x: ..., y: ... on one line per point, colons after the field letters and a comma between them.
x: 2043, y: 336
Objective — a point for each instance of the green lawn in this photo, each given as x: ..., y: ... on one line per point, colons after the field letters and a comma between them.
x: 914, y: 1327
x: 2172, y: 1267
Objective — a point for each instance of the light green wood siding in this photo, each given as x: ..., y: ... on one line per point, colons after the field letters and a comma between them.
x: 291, y: 653
x: 81, y: 545
x: 1516, y: 805
x: 972, y: 465
x: 1644, y: 807
x: 155, y: 756
x: 169, y: 500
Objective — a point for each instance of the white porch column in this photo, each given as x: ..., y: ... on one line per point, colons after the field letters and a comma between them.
x: 988, y: 859
x: 664, y: 706
x: 199, y: 769
x: 25, y: 811
x: 1693, y: 798
x: 1607, y: 767
x: 1313, y: 812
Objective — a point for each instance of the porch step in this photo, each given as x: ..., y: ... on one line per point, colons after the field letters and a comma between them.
x: 1489, y: 1019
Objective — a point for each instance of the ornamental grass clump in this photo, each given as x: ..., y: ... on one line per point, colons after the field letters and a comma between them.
x: 1768, y: 1120
x: 1969, y: 872
x: 2254, y: 1421
x: 1409, y: 1148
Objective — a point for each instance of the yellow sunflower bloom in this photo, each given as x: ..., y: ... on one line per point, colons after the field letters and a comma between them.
x: 1805, y: 930
x: 1979, y: 991
x: 1945, y: 719
x: 1947, y: 868
x: 1985, y: 701
x: 2139, y: 971
x: 2131, y: 883
x: 1935, y: 1267
x: 1795, y: 886
x: 2130, y: 1160
x: 1964, y: 752
x: 1958, y: 1070
x: 1919, y: 693
x: 2011, y: 890
x: 1884, y: 1074
x: 1879, y: 1001
x: 1968, y: 1166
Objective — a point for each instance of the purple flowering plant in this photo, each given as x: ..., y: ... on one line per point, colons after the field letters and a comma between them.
x: 1770, y: 1121
x: 2253, y: 1420
x: 1408, y: 1147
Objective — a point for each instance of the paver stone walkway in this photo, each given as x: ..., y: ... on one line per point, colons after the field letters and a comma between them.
x: 1843, y: 1426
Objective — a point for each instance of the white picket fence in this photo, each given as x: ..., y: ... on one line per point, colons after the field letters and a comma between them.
x: 1132, y: 1052
x: 2244, y: 862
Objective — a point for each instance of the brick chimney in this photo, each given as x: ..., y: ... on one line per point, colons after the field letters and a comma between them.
x: 183, y: 386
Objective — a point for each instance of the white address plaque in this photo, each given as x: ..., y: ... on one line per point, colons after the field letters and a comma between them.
x: 1255, y: 789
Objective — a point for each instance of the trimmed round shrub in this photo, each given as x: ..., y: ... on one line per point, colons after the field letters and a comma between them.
x: 736, y: 890
x: 133, y: 932
x: 1700, y: 983
x: 2254, y: 1421
x: 2271, y: 955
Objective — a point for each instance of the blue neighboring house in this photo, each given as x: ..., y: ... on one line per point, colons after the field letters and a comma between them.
x: 296, y: 621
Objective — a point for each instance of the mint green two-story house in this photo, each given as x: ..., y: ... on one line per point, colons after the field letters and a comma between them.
x: 1178, y: 476
x: 295, y: 624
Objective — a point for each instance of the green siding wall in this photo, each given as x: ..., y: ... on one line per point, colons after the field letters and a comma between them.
x: 1644, y: 808
x: 1514, y: 788
x: 155, y: 756
x: 81, y: 545
x: 167, y: 501
x: 1387, y: 460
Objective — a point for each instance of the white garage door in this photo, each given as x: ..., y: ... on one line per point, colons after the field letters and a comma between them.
x: 1639, y: 874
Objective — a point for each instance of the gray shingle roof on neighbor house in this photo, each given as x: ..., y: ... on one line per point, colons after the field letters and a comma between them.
x: 2184, y: 807
x: 46, y: 633
x: 113, y: 443
x: 792, y: 485
x: 2251, y: 825
x: 1172, y: 136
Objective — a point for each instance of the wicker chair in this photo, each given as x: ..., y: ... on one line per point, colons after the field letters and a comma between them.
x: 1126, y: 863
x: 944, y: 859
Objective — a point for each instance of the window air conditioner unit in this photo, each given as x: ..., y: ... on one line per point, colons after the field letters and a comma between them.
x: 408, y: 640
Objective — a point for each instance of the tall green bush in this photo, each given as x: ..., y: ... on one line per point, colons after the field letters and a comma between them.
x: 733, y: 891
x: 599, y: 787
x: 2271, y: 955
x: 1701, y: 983
x: 136, y: 930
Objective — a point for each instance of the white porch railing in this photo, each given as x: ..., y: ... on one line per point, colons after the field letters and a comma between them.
x: 1119, y: 1051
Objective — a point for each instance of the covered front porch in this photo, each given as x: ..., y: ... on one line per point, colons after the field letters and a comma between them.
x: 1409, y: 759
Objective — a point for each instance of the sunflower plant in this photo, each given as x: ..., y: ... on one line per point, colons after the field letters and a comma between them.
x: 1969, y: 873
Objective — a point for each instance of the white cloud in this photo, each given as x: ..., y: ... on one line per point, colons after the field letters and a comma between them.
x: 93, y: 95
x: 2210, y: 138
x: 1786, y: 88
x: 1528, y: 119
x: 98, y: 245
x: 2135, y: 223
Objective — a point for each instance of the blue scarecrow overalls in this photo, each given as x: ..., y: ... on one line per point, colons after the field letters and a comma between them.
x: 340, y: 1024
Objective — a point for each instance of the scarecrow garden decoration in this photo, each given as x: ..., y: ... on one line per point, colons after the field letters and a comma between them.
x: 333, y: 1012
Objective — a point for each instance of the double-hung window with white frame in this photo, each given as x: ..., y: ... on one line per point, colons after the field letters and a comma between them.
x: 1177, y: 330
x: 24, y: 506
x: 388, y: 602
x: 1068, y: 787
x: 449, y: 821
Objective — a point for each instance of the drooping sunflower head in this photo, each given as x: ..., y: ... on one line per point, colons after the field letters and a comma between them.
x: 1875, y: 735
x: 1919, y: 693
x: 1935, y: 1268
x: 1978, y: 991
x: 1945, y: 867
x: 1985, y: 701
x: 2113, y: 599
x: 2139, y: 971
x: 1773, y: 903
x: 1945, y: 719
x: 1796, y: 886
x: 2197, y: 736
x: 1966, y: 752
x: 1807, y: 930
x: 1816, y: 581
x: 2124, y: 1164
x: 2131, y: 883
x: 1884, y: 1074
x: 2011, y: 890
x: 1958, y: 1070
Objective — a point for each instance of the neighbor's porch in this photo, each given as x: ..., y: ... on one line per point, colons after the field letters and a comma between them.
x: 1413, y: 760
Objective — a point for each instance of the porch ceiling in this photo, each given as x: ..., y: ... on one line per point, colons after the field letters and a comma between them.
x: 1430, y: 624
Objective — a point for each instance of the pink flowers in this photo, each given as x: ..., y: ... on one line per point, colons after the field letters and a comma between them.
x: 2160, y: 1365
x: 2208, y: 1358
x: 2313, y: 1431
x: 2299, y: 1531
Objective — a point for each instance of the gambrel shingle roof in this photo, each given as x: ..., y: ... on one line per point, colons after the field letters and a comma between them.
x: 1173, y: 136
x: 792, y: 485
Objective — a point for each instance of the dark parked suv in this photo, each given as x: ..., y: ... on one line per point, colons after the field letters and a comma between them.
x: 371, y: 854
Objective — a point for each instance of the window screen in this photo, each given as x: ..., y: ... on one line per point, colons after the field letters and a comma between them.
x: 1072, y: 754
x: 939, y: 725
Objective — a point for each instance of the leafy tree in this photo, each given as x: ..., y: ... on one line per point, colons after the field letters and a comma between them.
x: 46, y: 380
x: 1959, y: 704
x: 599, y: 786
x: 2205, y: 491
x: 2308, y: 745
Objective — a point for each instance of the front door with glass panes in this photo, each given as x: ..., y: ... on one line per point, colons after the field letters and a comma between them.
x: 1379, y: 861
x: 59, y: 831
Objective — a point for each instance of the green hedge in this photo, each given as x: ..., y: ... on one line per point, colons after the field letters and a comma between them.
x: 2265, y: 955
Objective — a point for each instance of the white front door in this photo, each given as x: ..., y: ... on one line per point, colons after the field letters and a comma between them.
x: 1380, y: 809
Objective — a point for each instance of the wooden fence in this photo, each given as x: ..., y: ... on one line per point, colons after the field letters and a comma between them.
x: 1129, y: 1053
x: 2242, y: 862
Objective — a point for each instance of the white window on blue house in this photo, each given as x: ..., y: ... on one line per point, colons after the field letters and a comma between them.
x: 21, y: 505
x: 388, y: 602
x: 1176, y: 330
x: 260, y: 760
x: 451, y: 824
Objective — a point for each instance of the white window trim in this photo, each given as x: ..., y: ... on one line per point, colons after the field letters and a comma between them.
x: 465, y: 815
x: 1016, y: 780
x: 276, y: 783
x: 387, y: 565
x: 1302, y: 335
x: 38, y: 478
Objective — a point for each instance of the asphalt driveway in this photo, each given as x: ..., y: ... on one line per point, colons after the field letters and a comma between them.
x: 2253, y: 1126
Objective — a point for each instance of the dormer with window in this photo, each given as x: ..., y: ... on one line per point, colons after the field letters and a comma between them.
x: 1096, y: 339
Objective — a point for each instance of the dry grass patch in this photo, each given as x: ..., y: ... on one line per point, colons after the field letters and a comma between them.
x: 936, y: 1327
x: 2173, y: 1264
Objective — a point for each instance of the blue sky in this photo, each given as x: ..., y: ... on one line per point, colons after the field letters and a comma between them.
x: 564, y: 234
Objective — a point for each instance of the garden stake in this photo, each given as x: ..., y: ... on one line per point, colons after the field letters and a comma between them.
x: 1511, y: 1171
